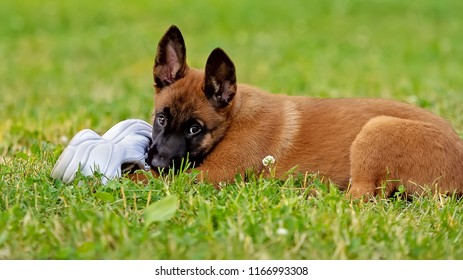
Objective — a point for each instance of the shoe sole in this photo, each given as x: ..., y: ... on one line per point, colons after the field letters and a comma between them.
x: 68, y: 162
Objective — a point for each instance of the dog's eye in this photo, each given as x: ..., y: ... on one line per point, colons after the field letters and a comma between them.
x: 194, y: 129
x: 161, y: 120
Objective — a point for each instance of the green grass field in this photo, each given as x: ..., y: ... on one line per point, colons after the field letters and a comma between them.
x: 69, y: 65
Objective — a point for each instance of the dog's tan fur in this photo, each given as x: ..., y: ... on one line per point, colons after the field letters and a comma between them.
x: 362, y: 143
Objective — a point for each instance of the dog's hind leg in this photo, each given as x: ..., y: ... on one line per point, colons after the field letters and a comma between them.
x: 389, y: 152
x: 369, y: 161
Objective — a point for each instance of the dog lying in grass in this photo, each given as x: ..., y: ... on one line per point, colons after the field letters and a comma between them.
x: 366, y: 146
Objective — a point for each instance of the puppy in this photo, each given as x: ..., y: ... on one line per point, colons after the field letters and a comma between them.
x: 366, y: 146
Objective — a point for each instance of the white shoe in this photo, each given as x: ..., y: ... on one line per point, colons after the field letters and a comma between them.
x: 126, y: 142
x: 124, y: 128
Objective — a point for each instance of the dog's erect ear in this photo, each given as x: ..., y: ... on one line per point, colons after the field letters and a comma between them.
x: 170, y: 62
x: 220, y: 80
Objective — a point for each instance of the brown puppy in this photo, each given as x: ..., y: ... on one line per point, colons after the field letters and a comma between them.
x: 225, y: 128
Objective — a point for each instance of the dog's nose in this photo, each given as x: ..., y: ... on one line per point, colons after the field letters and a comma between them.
x: 160, y: 162
x: 166, y: 151
x: 157, y: 159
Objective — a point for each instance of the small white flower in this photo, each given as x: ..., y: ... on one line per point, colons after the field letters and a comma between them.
x: 282, y: 231
x: 268, y: 160
x: 64, y: 139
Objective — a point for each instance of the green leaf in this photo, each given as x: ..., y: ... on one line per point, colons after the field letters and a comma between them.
x: 161, y: 210
x: 104, y: 196
x: 22, y: 155
x: 113, y: 185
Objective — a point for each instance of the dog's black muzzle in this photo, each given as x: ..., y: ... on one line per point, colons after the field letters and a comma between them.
x: 166, y: 154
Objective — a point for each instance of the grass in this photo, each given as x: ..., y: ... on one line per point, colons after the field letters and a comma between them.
x: 71, y: 65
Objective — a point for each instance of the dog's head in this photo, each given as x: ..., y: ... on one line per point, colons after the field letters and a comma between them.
x: 191, y: 106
